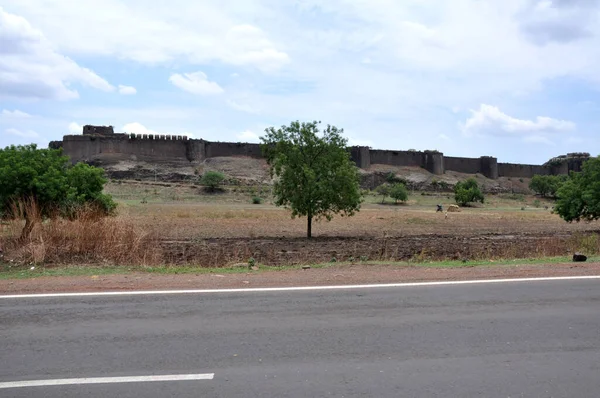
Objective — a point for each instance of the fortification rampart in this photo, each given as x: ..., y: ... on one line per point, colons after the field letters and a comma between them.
x: 102, y: 140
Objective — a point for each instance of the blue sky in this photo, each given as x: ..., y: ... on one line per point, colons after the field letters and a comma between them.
x: 515, y: 79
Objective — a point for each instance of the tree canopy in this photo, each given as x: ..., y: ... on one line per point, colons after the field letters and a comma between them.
x: 579, y: 196
x: 47, y: 178
x: 316, y: 177
x: 546, y: 186
x: 399, y: 193
x: 384, y: 191
x: 467, y: 191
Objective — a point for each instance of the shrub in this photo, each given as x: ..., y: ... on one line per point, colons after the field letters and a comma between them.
x: 399, y: 193
x: 256, y: 200
x: 87, y: 238
x: 46, y: 177
x: 212, y: 180
x: 468, y: 191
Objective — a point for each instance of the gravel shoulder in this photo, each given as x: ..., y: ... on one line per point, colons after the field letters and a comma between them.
x: 335, y: 275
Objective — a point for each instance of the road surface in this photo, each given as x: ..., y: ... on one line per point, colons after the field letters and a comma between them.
x: 526, y: 339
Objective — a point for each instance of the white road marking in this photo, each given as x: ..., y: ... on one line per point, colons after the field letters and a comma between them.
x: 298, y: 288
x: 105, y: 380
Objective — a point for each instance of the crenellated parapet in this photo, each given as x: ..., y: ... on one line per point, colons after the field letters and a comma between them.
x: 157, y: 137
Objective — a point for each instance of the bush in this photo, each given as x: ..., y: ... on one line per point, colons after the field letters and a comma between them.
x: 399, y: 193
x: 46, y: 177
x: 212, y: 180
x: 256, y: 200
x: 468, y: 191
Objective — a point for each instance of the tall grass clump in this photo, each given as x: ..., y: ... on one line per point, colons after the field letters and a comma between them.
x: 86, y: 237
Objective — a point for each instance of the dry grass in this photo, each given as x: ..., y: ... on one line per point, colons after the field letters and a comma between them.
x: 180, y: 221
x: 89, y: 238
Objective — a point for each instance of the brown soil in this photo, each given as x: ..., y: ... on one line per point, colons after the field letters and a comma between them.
x: 277, y: 251
x: 337, y: 275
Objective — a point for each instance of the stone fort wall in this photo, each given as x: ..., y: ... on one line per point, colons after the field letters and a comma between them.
x: 101, y: 140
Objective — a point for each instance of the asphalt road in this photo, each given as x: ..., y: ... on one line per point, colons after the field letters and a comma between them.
x: 538, y: 339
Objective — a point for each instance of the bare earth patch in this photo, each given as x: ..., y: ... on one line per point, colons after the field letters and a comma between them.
x: 335, y: 275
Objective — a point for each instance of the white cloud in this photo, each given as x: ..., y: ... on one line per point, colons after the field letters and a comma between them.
x: 30, y: 67
x: 22, y: 133
x: 137, y: 128
x: 205, y: 32
x: 127, y: 90
x: 16, y: 114
x: 489, y: 120
x: 75, y: 128
x: 444, y: 137
x: 248, y: 136
x: 195, y: 83
x: 426, y: 58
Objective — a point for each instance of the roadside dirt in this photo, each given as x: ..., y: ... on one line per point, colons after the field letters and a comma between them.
x: 336, y: 275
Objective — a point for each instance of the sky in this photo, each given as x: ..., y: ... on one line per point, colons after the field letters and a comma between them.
x: 514, y: 79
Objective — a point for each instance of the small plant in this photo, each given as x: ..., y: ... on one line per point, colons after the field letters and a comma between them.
x: 251, y: 262
x: 364, y: 258
x: 256, y: 200
x: 520, y: 180
x: 333, y: 260
x: 537, y: 204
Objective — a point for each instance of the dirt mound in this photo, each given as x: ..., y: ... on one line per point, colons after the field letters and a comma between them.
x: 422, y: 180
x: 251, y: 171
x: 244, y: 170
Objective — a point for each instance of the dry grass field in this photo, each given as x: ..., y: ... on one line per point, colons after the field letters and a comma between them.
x: 162, y: 223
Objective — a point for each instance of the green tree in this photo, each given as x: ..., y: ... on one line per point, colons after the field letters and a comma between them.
x: 399, y: 193
x: 579, y: 196
x: 384, y: 191
x: 212, y: 180
x: 45, y: 179
x: 316, y: 177
x: 546, y: 186
x: 467, y: 191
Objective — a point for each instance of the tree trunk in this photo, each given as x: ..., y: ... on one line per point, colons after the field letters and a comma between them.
x: 309, y: 227
x: 26, y: 233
